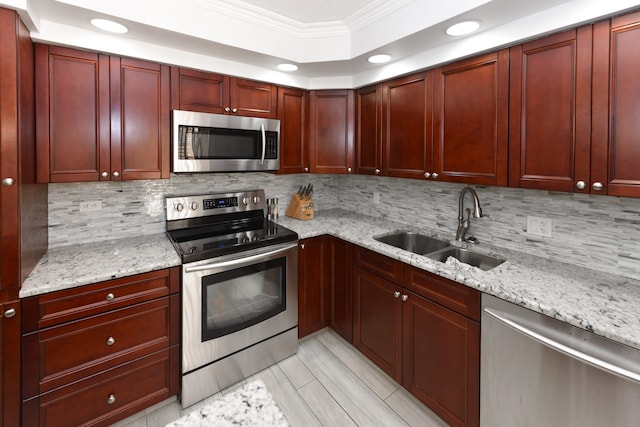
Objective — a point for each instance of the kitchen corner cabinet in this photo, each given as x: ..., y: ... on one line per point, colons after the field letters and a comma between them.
x: 331, y: 131
x: 407, y: 126
x: 100, y: 353
x: 341, y: 316
x: 422, y: 330
x: 100, y: 117
x: 313, y: 285
x: 207, y: 92
x: 550, y: 119
x: 368, y: 130
x: 471, y: 112
x: 292, y: 113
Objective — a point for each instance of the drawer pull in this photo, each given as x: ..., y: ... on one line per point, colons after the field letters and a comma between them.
x: 111, y: 341
x: 405, y: 297
x: 110, y: 296
x: 111, y: 399
x: 396, y: 294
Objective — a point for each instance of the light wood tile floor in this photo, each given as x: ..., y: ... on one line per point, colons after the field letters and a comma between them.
x: 327, y: 383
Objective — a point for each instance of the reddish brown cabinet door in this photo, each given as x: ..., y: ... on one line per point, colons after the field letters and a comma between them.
x: 441, y: 359
x: 331, y: 130
x: 550, y: 118
x: 471, y: 120
x: 377, y: 321
x: 252, y: 98
x: 616, y: 147
x: 140, y: 103
x: 314, y: 292
x: 368, y: 131
x: 341, y: 319
x: 407, y: 126
x: 292, y: 113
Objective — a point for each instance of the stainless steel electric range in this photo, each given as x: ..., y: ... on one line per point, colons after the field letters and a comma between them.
x: 239, y: 289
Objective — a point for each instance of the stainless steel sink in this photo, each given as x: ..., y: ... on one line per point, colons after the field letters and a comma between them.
x: 412, y: 242
x: 483, y: 262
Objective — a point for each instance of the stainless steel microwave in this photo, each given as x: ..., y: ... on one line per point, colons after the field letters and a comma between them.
x: 206, y: 142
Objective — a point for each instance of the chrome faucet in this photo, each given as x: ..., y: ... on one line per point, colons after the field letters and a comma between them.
x: 465, y: 223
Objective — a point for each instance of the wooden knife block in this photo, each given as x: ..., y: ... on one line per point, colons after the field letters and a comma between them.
x: 300, y: 208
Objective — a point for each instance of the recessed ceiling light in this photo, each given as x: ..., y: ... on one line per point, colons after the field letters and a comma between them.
x: 462, y: 28
x: 287, y: 67
x: 106, y: 25
x: 379, y: 59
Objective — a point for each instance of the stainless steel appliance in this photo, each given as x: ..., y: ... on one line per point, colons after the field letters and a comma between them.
x: 239, y: 289
x: 538, y: 371
x: 206, y: 142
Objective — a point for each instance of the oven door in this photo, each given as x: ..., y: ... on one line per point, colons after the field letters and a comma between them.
x: 235, y: 301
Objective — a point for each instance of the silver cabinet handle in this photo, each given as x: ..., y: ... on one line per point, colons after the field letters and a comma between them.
x: 306, y: 169
x: 264, y: 143
x: 111, y: 399
x: 396, y: 294
x: 564, y: 348
x: 405, y: 297
x: 434, y: 175
x: 427, y: 174
x: 227, y: 109
x: 116, y: 174
x: 110, y: 296
x: 597, y: 186
x: 10, y: 313
x: 235, y: 110
x: 348, y: 169
x: 8, y: 182
x: 377, y: 171
x: 104, y: 174
x: 580, y: 185
x: 111, y: 341
x: 302, y: 246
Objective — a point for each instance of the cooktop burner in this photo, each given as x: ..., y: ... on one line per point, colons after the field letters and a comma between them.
x: 207, y: 226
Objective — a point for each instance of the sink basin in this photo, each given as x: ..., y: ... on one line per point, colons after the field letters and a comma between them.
x: 412, y: 242
x: 483, y: 262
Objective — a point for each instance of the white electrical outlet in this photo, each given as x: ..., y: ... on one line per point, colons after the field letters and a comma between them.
x: 376, y: 198
x: 90, y: 205
x: 539, y: 226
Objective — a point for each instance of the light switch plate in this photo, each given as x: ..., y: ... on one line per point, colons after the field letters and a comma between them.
x: 539, y: 226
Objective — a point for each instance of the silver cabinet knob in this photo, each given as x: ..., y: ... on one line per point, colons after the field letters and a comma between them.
x: 116, y: 174
x: 10, y: 313
x: 580, y: 185
x: 110, y: 296
x: 302, y: 246
x: 306, y: 169
x: 396, y: 294
x: 111, y: 341
x: 434, y: 175
x: 8, y: 182
x: 377, y: 171
x: 427, y: 174
x: 235, y: 110
x: 405, y: 297
x: 597, y: 186
x: 348, y: 169
x: 111, y: 400
x: 227, y: 109
x: 104, y: 174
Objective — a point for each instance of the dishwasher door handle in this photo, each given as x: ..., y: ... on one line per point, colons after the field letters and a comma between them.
x: 564, y: 348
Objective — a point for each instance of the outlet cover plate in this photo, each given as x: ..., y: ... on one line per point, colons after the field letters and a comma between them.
x: 539, y: 226
x: 90, y: 205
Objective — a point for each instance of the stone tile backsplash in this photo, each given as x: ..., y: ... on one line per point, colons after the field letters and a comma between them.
x: 597, y: 232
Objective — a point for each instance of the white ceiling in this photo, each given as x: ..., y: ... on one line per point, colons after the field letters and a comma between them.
x: 329, y: 39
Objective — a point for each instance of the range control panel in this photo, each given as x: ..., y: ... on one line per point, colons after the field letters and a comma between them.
x: 186, y: 207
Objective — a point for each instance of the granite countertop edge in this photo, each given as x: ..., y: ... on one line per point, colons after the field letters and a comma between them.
x: 595, y: 301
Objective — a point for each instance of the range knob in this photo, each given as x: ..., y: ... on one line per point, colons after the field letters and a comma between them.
x: 178, y: 206
x: 256, y: 199
x: 193, y: 205
x: 245, y: 201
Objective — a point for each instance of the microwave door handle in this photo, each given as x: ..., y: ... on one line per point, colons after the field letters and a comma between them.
x: 264, y: 144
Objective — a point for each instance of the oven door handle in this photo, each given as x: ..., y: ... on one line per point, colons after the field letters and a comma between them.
x: 264, y: 144
x: 236, y: 261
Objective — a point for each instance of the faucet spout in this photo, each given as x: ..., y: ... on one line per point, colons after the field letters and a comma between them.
x: 465, y: 223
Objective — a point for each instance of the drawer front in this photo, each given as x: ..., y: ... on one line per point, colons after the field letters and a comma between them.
x: 380, y: 265
x: 454, y: 296
x: 75, y: 350
x: 72, y: 304
x: 110, y: 396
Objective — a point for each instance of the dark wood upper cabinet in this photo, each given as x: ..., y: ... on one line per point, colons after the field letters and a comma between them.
x: 331, y: 131
x: 100, y: 117
x: 471, y: 99
x: 207, y: 92
x: 616, y: 107
x: 550, y: 119
x: 407, y: 123
x: 292, y: 113
x: 368, y: 130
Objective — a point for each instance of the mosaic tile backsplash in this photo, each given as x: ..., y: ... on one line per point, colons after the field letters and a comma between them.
x: 598, y: 232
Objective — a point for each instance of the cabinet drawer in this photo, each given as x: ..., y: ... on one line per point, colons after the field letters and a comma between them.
x: 71, y: 304
x: 380, y: 265
x: 454, y: 296
x: 108, y: 397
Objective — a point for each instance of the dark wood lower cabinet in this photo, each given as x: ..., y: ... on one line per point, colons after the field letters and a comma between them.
x: 313, y: 285
x: 341, y: 319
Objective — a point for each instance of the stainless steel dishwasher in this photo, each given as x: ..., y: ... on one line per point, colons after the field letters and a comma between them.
x: 538, y: 371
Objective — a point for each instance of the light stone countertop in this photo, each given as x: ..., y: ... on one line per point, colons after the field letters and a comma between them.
x: 598, y: 302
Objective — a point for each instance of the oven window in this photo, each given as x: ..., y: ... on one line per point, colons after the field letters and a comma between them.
x: 236, y: 299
